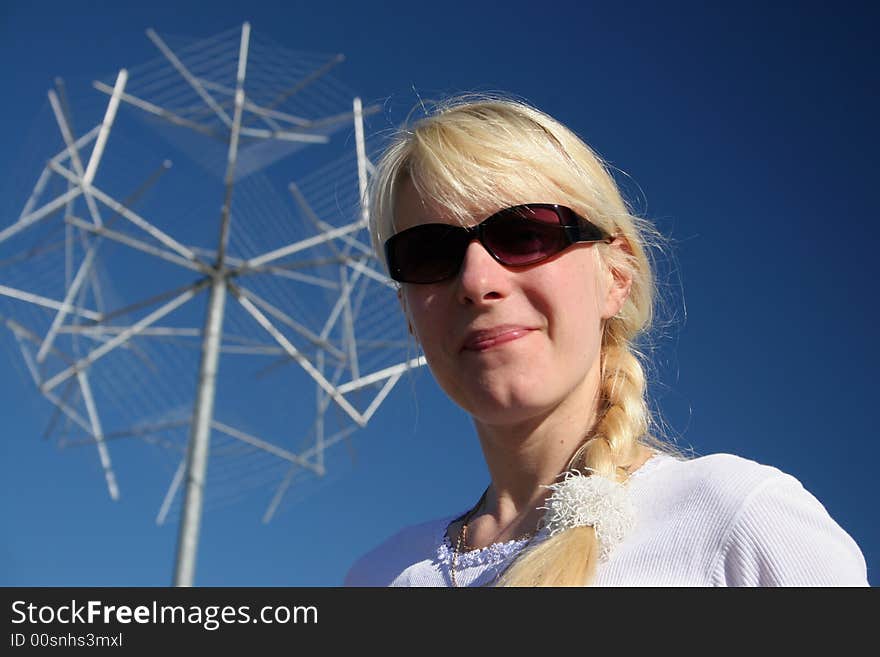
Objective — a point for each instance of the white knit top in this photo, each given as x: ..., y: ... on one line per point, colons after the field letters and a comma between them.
x: 717, y: 520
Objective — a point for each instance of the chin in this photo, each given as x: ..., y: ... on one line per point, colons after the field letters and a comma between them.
x: 508, y: 409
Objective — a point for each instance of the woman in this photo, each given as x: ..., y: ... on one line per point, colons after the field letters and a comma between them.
x: 526, y: 281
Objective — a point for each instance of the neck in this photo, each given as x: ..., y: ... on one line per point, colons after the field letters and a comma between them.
x: 526, y: 455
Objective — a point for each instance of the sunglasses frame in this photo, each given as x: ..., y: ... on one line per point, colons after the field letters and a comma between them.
x: 575, y: 228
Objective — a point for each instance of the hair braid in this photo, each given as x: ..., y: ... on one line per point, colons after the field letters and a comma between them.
x: 570, y: 557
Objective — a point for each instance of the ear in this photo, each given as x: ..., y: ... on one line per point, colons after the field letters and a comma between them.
x: 402, y: 302
x: 618, y: 282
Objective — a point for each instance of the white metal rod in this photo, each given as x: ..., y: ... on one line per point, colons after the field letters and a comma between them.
x: 106, y: 124
x: 237, y: 265
x: 254, y: 351
x: 168, y: 115
x: 264, y: 445
x: 125, y: 335
x: 379, y: 398
x: 341, y: 118
x: 35, y: 194
x: 74, y: 154
x: 275, y: 114
x: 69, y: 238
x: 348, y: 324
x: 232, y: 154
x: 32, y: 367
x: 171, y: 492
x: 98, y: 434
x: 317, y: 340
x: 242, y: 56
x: 369, y: 272
x: 140, y: 222
x: 142, y: 430
x: 285, y: 484
x: 279, y: 494
x: 69, y: 412
x: 25, y: 352
x: 274, y: 126
x: 263, y: 112
x: 36, y: 215
x: 66, y: 305
x: 296, y: 276
x: 122, y: 238
x: 285, y: 135
x: 332, y: 317
x: 323, y: 225
x: 78, y: 144
x: 46, y: 302
x: 18, y: 329
x: 294, y: 353
x: 337, y: 309
x: 381, y: 374
x: 157, y: 331
x: 332, y: 440
x: 361, y: 159
x: 322, y: 401
x: 248, y: 105
x: 303, y: 244
x: 97, y: 294
x: 68, y: 248
x: 189, y: 77
x: 60, y: 119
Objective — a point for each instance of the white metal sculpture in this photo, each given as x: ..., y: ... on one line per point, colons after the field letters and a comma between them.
x: 82, y: 351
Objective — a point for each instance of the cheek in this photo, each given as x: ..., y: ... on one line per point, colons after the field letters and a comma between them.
x: 420, y: 307
x: 570, y: 302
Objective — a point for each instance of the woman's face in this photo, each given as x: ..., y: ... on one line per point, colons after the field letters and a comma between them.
x: 511, y: 345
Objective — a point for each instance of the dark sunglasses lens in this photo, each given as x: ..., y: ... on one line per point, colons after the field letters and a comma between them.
x: 521, y: 236
x: 427, y: 253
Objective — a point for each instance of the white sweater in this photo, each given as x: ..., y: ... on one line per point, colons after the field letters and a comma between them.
x: 717, y: 520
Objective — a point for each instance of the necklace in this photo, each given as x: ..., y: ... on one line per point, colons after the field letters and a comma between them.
x: 461, y: 541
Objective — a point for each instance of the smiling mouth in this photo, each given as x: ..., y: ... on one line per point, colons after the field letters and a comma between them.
x: 484, y: 340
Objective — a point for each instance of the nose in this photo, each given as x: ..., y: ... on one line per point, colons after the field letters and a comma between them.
x: 481, y: 279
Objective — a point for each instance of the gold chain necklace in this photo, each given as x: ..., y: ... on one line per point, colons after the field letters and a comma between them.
x: 462, y: 539
x: 462, y: 533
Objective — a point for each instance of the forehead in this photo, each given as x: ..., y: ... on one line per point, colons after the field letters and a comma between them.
x: 412, y: 209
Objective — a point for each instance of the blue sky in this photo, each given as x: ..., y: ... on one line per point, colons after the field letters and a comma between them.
x: 747, y: 133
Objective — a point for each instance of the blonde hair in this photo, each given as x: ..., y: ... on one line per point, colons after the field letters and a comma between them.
x: 478, y: 154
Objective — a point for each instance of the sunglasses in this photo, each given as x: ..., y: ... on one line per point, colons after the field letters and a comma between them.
x: 515, y: 237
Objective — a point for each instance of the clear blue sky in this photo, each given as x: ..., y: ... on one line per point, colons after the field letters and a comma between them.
x: 750, y: 133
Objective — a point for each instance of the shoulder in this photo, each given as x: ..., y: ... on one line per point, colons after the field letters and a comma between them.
x: 382, y: 564
x: 720, y: 482
x: 719, y: 467
x: 775, y: 532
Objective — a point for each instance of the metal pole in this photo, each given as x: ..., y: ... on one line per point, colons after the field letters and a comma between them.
x: 197, y: 451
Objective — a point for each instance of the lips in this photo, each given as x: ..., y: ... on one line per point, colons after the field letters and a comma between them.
x: 484, y: 339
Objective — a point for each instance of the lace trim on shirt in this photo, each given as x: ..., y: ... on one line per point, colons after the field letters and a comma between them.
x: 489, y: 555
x: 499, y: 552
